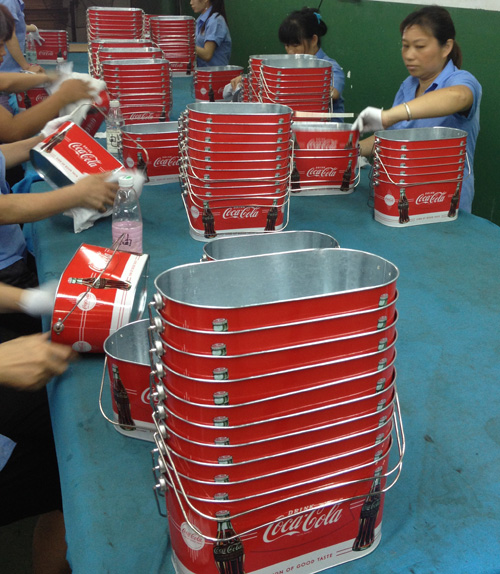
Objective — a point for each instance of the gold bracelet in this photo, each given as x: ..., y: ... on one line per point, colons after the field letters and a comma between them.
x: 408, y: 111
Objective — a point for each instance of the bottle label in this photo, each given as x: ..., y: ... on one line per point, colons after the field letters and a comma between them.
x: 130, y: 233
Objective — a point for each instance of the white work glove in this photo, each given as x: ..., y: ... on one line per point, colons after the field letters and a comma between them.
x: 40, y: 300
x: 369, y: 120
x: 36, y: 36
x: 52, y: 125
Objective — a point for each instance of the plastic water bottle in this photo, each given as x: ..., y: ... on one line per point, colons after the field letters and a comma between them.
x: 59, y: 64
x: 114, y: 125
x: 30, y: 49
x: 127, y: 219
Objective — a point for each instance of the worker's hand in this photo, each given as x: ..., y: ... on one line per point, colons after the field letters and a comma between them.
x: 51, y: 126
x: 28, y: 363
x: 74, y: 90
x: 38, y: 301
x: 369, y: 120
x: 35, y: 34
x: 235, y: 83
x: 95, y: 191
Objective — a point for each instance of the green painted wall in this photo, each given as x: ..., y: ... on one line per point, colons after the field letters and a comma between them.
x: 364, y: 38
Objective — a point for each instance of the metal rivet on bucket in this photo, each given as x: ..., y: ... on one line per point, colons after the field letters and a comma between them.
x: 221, y: 421
x: 221, y: 441
x: 221, y: 398
x: 221, y: 373
x: 221, y: 478
x: 219, y: 349
x: 225, y: 459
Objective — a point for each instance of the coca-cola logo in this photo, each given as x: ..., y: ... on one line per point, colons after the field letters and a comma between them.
x: 141, y: 115
x: 40, y: 97
x: 45, y: 52
x: 322, y: 172
x: 299, y: 524
x: 171, y: 161
x: 430, y: 197
x: 389, y: 200
x: 85, y: 154
x: 86, y: 301
x: 241, y: 213
x: 322, y: 143
x: 192, y: 540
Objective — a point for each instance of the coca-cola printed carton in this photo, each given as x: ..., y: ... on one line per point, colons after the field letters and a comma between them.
x: 70, y: 153
x: 55, y: 45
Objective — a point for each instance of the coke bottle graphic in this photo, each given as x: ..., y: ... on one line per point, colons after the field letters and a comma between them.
x: 368, y: 516
x: 56, y: 139
x: 27, y: 101
x: 346, y: 178
x: 122, y: 402
x: 272, y: 216
x: 348, y: 145
x: 229, y: 554
x: 454, y: 202
x: 211, y: 95
x: 208, y: 221
x: 101, y: 283
x: 403, y: 206
x: 142, y: 166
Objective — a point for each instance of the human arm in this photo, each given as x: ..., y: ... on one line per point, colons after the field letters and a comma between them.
x: 28, y: 363
x: 439, y: 103
x: 14, y: 82
x: 17, y: 54
x: 18, y: 152
x: 92, y: 191
x: 31, y: 121
x: 436, y: 104
x: 206, y: 52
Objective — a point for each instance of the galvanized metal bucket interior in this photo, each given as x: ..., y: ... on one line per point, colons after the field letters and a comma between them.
x: 267, y: 279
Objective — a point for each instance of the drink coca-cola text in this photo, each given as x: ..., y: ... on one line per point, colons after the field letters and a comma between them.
x: 431, y: 197
x: 240, y: 212
x: 293, y: 525
x: 85, y: 154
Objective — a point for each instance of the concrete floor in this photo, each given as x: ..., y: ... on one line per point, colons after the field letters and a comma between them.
x: 15, y: 546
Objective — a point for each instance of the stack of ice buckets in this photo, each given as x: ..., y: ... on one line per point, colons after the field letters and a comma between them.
x: 301, y: 83
x: 210, y: 81
x: 175, y: 35
x: 154, y: 148
x: 254, y: 83
x: 142, y: 85
x: 117, y: 44
x: 326, y: 157
x: 275, y: 408
x: 114, y: 24
x: 418, y: 174
x: 55, y: 45
x: 235, y: 167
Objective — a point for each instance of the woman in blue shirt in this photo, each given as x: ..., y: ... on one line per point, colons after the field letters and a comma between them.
x: 213, y: 40
x: 437, y: 92
x: 301, y: 32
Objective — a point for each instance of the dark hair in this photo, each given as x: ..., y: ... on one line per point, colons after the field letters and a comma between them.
x: 7, y: 24
x: 302, y: 25
x: 218, y: 7
x: 438, y: 22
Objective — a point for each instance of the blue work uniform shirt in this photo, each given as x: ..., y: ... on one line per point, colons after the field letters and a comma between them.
x: 338, y: 80
x: 450, y: 76
x: 16, y: 8
x: 216, y: 30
